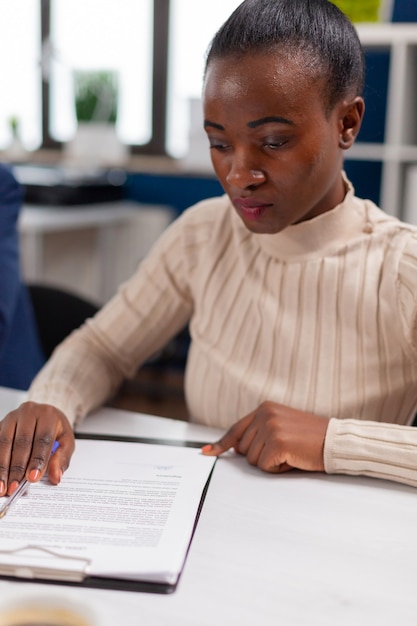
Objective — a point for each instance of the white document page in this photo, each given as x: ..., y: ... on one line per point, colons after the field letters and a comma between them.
x: 123, y: 510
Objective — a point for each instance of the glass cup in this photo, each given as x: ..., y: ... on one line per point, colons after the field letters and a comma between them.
x: 45, y: 611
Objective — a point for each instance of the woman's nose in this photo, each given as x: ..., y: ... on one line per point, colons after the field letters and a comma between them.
x: 243, y: 174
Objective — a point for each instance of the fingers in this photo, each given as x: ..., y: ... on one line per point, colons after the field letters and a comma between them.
x: 277, y: 438
x: 60, y: 461
x: 15, y: 447
x: 5, y: 454
x: 261, y: 452
x: 230, y: 440
x: 245, y: 441
x: 26, y: 439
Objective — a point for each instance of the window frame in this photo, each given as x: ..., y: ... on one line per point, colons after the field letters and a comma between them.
x: 157, y: 143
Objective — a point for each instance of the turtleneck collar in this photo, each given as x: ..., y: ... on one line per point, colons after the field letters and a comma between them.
x: 321, y: 235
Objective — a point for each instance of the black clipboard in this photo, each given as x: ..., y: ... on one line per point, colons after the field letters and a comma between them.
x: 120, y: 584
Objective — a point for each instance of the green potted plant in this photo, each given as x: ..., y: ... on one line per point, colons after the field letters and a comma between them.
x: 96, y: 143
x: 15, y: 150
x: 96, y: 95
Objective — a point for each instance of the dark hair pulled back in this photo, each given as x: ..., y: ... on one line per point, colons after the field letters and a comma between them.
x: 315, y: 28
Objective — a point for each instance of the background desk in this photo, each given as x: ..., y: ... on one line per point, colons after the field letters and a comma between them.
x: 298, y: 549
x: 89, y: 249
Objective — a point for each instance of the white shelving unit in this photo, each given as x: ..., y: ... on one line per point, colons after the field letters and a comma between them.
x: 398, y: 152
x: 89, y: 249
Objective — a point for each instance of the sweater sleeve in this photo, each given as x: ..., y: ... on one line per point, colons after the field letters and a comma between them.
x: 88, y: 367
x: 379, y: 449
x: 374, y: 449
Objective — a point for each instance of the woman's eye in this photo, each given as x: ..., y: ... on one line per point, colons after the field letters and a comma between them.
x: 219, y: 146
x: 274, y: 143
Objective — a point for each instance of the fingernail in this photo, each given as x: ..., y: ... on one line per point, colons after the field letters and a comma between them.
x: 34, y: 474
x: 2, y: 487
x: 12, y: 487
x: 207, y: 448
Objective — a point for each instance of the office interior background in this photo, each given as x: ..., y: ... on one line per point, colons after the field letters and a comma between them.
x: 150, y: 55
x: 155, y: 49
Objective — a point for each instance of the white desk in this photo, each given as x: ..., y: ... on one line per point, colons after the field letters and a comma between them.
x: 298, y: 549
x: 89, y: 249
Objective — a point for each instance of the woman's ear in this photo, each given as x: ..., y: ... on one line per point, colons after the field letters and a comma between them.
x: 350, y: 121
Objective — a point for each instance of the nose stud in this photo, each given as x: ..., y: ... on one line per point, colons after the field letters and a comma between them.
x: 257, y: 174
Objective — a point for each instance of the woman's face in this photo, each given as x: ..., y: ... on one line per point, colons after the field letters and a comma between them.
x: 275, y: 149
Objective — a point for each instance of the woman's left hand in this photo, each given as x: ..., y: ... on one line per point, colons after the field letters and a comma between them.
x: 276, y: 438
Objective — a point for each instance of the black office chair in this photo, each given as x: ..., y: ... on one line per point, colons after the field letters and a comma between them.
x: 57, y: 313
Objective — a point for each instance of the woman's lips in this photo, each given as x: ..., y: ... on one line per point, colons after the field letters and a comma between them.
x: 250, y: 208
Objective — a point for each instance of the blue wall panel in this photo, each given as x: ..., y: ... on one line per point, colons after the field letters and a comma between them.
x: 405, y: 11
x: 366, y: 178
x: 178, y: 191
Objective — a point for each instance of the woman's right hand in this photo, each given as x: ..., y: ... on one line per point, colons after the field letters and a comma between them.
x: 27, y: 435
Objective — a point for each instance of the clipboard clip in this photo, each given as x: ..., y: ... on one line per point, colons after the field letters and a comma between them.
x: 22, y: 563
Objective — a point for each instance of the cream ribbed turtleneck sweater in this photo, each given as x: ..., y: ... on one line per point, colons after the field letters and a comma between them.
x: 321, y: 317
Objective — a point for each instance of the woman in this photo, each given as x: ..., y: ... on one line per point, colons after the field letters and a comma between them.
x: 300, y: 296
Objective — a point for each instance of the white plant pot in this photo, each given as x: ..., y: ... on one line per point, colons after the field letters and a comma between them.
x: 95, y: 144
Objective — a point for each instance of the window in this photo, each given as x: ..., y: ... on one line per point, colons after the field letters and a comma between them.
x: 157, y: 56
x: 188, y: 46
x: 92, y: 35
x: 20, y: 72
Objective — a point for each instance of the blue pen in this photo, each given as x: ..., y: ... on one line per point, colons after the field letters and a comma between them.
x: 21, y: 489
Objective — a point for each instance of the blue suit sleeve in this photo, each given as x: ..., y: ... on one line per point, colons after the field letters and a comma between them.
x: 11, y: 197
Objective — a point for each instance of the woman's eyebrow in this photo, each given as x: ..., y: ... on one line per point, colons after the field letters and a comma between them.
x: 268, y: 120
x: 254, y: 123
x: 207, y: 124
